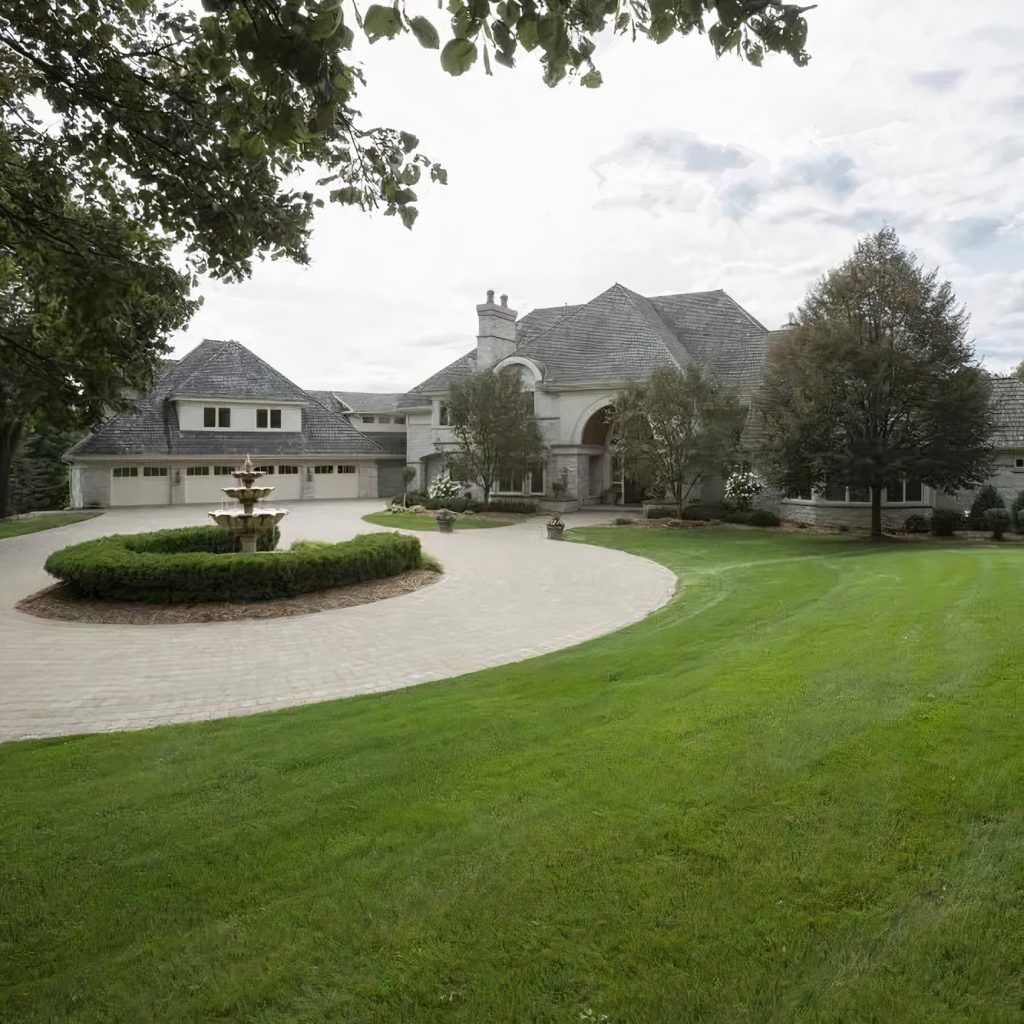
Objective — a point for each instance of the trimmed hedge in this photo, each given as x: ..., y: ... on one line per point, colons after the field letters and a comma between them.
x: 946, y: 521
x: 185, y: 566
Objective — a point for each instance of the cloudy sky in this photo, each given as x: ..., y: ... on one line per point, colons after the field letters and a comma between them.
x: 681, y: 173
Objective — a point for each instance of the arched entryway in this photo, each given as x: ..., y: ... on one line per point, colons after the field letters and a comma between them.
x: 608, y: 476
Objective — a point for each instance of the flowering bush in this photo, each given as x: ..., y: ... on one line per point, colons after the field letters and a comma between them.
x: 742, y: 486
x: 443, y: 486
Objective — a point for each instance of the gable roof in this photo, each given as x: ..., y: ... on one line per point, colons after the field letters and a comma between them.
x: 152, y: 427
x: 458, y: 369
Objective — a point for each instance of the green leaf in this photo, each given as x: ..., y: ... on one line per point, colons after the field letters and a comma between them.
x: 409, y: 142
x: 528, y: 33
x: 458, y: 56
x: 487, y: 62
x: 592, y: 79
x: 409, y: 215
x: 425, y: 33
x: 381, y: 23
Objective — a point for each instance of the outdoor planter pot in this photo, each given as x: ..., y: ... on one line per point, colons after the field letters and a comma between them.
x: 555, y: 528
x: 445, y: 521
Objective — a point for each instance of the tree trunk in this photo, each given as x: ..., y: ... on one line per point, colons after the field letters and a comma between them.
x: 10, y: 436
x: 487, y: 494
x: 876, y: 511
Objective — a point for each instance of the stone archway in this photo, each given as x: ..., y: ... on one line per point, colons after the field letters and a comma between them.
x: 609, y: 479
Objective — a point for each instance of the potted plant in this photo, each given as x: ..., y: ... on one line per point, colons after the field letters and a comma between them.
x: 445, y: 521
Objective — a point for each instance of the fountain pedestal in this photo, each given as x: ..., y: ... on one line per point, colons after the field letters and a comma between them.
x: 250, y: 520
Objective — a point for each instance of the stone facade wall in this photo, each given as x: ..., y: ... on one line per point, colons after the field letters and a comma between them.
x: 853, y: 517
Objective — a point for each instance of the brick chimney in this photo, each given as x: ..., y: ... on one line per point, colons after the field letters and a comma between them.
x: 497, y: 335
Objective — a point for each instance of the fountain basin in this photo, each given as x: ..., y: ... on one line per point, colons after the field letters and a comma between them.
x: 247, y: 495
x: 238, y: 521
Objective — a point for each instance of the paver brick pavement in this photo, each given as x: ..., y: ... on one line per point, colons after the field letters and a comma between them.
x: 507, y: 594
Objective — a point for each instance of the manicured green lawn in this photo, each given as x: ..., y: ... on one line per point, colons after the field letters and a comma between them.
x: 418, y: 521
x: 17, y: 527
x: 792, y: 795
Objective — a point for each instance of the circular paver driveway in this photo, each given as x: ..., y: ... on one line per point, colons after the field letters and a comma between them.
x: 507, y: 594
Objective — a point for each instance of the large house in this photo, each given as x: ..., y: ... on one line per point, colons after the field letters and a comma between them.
x: 221, y: 402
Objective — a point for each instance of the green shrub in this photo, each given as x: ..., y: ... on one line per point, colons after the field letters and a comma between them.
x: 623, y: 521
x: 1017, y: 511
x: 198, y: 538
x: 526, y: 506
x: 412, y: 498
x: 916, y: 524
x: 455, y: 504
x: 986, y: 498
x: 763, y: 517
x: 946, y: 521
x: 708, y: 512
x: 183, y: 566
x: 998, y: 521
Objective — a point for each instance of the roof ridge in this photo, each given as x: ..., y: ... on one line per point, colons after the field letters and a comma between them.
x: 646, y: 309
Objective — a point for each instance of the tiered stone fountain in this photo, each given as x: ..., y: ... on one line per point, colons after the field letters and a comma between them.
x: 249, y: 520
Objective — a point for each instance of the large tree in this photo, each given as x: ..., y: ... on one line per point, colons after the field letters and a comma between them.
x: 877, y: 381
x: 676, y: 429
x: 494, y: 428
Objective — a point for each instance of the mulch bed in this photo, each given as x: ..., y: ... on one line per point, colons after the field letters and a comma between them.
x: 58, y: 602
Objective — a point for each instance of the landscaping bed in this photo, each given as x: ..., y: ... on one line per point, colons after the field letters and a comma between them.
x: 60, y: 602
x: 191, y: 565
x: 426, y: 519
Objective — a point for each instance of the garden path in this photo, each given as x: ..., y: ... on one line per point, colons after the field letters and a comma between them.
x: 507, y: 594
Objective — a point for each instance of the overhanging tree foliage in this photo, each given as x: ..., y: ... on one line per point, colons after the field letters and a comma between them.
x: 494, y: 428
x: 676, y: 429
x: 877, y: 381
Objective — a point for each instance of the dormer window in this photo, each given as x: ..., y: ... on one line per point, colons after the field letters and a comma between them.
x: 442, y: 415
x: 214, y: 417
x: 268, y: 419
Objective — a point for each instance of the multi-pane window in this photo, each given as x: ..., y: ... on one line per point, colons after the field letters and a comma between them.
x: 216, y: 416
x: 518, y: 482
x: 125, y: 471
x: 401, y: 419
x: 223, y: 470
x: 442, y: 415
x: 346, y: 469
x: 1018, y: 463
x: 268, y: 470
x: 383, y: 419
x: 903, y: 490
x: 369, y: 419
x: 154, y: 471
x: 198, y: 471
x: 323, y: 469
x: 288, y: 470
x: 268, y: 418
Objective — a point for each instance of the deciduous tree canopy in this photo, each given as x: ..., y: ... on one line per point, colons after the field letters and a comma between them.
x: 676, y: 429
x: 878, y: 380
x: 494, y: 428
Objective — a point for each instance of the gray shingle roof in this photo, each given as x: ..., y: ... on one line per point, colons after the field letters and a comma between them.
x: 1008, y: 405
x: 622, y: 336
x: 227, y: 369
x: 369, y: 401
x: 393, y: 442
x: 152, y: 428
x: 461, y: 368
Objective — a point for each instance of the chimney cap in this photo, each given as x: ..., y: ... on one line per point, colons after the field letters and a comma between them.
x: 504, y: 300
x: 490, y: 296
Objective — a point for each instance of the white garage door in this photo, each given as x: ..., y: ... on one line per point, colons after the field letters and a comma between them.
x: 203, y: 484
x: 336, y: 480
x: 139, y: 485
x: 287, y: 483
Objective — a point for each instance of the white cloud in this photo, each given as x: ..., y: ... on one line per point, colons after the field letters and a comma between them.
x: 680, y: 173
